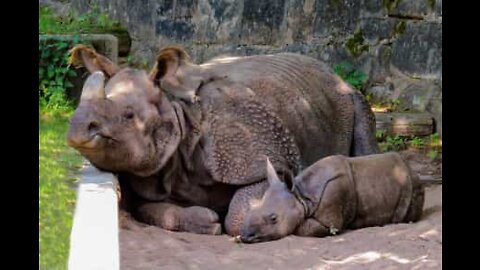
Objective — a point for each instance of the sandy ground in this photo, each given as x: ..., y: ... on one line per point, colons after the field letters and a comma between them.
x: 399, y: 246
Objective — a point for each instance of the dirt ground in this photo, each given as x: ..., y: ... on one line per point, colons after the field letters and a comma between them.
x: 399, y: 246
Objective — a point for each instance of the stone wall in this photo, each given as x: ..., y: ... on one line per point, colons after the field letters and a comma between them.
x: 398, y: 43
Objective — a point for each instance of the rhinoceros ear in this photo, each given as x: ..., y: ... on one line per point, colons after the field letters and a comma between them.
x: 81, y: 55
x: 272, y: 175
x: 167, y: 63
x: 174, y: 73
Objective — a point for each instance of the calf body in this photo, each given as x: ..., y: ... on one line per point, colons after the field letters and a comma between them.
x: 334, y: 194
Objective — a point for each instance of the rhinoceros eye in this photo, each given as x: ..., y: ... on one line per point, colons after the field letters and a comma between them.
x: 128, y: 115
x: 272, y: 218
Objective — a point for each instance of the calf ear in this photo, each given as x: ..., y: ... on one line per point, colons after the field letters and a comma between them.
x: 81, y: 55
x: 288, y: 179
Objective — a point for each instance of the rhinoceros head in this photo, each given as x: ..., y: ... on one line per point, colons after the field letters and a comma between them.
x: 124, y: 122
x: 276, y: 215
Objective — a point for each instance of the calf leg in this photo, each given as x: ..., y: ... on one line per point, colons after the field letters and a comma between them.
x: 172, y: 217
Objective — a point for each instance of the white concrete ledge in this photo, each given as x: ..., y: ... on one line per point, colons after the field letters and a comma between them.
x: 94, y: 237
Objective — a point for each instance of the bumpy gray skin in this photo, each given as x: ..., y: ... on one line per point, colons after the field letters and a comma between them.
x: 312, y: 104
x: 364, y: 191
x: 207, y: 138
x: 337, y: 193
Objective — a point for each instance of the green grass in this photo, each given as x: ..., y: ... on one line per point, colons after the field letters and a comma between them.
x: 58, y: 166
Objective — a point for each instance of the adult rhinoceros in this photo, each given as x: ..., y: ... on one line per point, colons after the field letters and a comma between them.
x: 188, y: 137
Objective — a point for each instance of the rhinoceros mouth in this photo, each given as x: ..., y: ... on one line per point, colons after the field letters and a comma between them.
x: 93, y: 142
x: 252, y: 238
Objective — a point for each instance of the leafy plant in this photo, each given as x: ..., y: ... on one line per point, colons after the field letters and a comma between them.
x: 384, y: 105
x: 93, y: 21
x: 133, y: 61
x: 380, y: 135
x: 417, y: 142
x: 356, y: 78
x: 54, y: 72
x: 432, y: 154
x: 394, y: 104
x: 435, y: 140
x: 393, y: 143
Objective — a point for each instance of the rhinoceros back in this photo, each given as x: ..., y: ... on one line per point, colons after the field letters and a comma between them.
x: 312, y: 102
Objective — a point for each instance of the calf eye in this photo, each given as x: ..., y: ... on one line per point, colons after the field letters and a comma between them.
x: 128, y: 115
x: 272, y: 218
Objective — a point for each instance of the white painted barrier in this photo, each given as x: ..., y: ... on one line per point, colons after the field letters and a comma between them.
x: 94, y: 238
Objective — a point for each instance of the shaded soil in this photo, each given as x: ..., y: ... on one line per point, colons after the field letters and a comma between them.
x: 398, y: 246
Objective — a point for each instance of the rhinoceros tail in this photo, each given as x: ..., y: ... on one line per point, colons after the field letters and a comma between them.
x: 364, y: 141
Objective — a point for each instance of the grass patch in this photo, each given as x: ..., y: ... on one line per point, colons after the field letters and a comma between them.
x: 58, y: 166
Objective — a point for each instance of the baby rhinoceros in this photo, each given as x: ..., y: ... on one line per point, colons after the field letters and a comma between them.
x: 334, y: 194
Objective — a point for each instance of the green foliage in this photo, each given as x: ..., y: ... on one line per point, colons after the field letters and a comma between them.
x: 380, y: 135
x: 133, y: 61
x: 394, y: 104
x: 58, y: 165
x: 393, y: 143
x: 356, y: 44
x: 435, y: 140
x: 400, y: 27
x: 93, y: 21
x: 55, y: 73
x: 432, y: 154
x: 391, y: 4
x: 417, y: 142
x: 352, y: 76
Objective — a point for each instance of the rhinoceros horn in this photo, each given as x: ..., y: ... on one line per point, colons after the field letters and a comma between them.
x: 94, y: 87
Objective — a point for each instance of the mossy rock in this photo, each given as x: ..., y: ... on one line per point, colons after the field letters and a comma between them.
x: 356, y: 44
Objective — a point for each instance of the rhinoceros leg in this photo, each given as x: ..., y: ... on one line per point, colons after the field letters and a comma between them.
x: 240, y: 204
x: 311, y: 227
x: 172, y: 217
x: 364, y: 141
x: 415, y: 210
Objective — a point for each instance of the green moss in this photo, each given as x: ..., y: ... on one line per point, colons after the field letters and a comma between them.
x: 386, y: 54
x: 400, y: 28
x: 391, y: 4
x: 431, y: 4
x: 356, y: 44
x: 336, y: 3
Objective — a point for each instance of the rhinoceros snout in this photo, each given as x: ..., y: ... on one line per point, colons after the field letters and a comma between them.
x: 248, y: 236
x: 85, y: 134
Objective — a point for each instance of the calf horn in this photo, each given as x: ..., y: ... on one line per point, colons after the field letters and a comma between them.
x: 94, y: 87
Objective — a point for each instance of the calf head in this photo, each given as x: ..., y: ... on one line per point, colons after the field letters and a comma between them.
x: 127, y: 124
x: 276, y: 215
